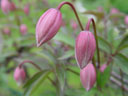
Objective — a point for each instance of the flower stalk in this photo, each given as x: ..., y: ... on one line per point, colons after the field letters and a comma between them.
x: 31, y: 62
x: 75, y: 12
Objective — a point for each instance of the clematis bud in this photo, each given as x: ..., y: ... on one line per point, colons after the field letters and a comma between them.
x: 74, y: 25
x: 6, y: 31
x: 100, y: 9
x: 26, y: 9
x: 103, y: 67
x: 19, y: 75
x: 12, y: 6
x: 88, y: 76
x: 84, y: 48
x: 5, y: 6
x: 114, y: 11
x: 126, y: 20
x: 48, y: 25
x: 23, y: 29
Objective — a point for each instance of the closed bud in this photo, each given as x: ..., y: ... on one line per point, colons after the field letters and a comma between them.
x: 100, y: 9
x: 12, y: 6
x: 74, y: 25
x: 84, y: 48
x: 6, y: 31
x: 48, y: 25
x: 88, y: 76
x: 23, y: 29
x: 103, y: 67
x: 5, y: 6
x: 126, y: 20
x: 19, y: 75
x: 26, y: 9
x: 114, y: 11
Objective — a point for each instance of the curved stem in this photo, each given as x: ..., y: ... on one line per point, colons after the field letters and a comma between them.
x: 31, y: 62
x: 71, y: 5
x: 96, y: 37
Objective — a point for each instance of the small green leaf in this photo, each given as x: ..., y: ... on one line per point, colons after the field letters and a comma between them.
x: 34, y: 85
x: 122, y: 62
x: 123, y: 44
x: 104, y: 45
x: 102, y: 78
x: 33, y: 79
x: 67, y: 39
x: 67, y: 55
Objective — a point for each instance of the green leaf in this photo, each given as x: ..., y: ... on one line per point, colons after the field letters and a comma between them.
x: 67, y: 39
x: 34, y: 85
x: 123, y: 44
x: 33, y: 79
x: 102, y: 78
x: 67, y: 55
x: 122, y: 62
x: 104, y: 45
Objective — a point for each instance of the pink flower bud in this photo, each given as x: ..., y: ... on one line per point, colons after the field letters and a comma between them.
x: 114, y: 11
x: 88, y: 76
x: 23, y: 29
x: 5, y: 6
x: 12, y: 6
x: 126, y: 20
x: 19, y: 75
x: 103, y: 67
x: 6, y: 31
x: 26, y: 9
x: 74, y: 25
x: 84, y: 48
x: 100, y: 9
x: 48, y: 25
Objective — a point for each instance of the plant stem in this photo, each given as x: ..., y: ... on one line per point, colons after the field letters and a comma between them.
x: 122, y: 82
x: 71, y: 5
x: 31, y: 62
x: 73, y: 71
x: 96, y: 37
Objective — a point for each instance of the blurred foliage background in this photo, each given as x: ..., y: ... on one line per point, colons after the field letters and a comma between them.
x: 15, y: 48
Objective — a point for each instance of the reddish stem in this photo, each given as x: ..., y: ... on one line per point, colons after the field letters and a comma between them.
x: 71, y: 5
x: 31, y: 62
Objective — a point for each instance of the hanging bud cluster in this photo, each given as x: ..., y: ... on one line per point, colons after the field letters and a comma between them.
x: 47, y: 27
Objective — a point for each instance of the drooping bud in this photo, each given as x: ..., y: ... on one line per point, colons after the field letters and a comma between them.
x: 74, y: 25
x: 114, y: 11
x: 5, y: 6
x: 88, y: 76
x: 12, y: 6
x: 100, y: 9
x: 6, y: 31
x: 84, y: 48
x: 126, y: 20
x: 26, y: 9
x: 103, y: 67
x: 48, y: 25
x: 19, y: 75
x: 23, y: 29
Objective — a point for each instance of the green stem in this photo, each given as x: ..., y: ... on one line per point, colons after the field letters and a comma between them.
x: 73, y: 71
x: 96, y: 37
x: 71, y: 5
x: 122, y: 86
